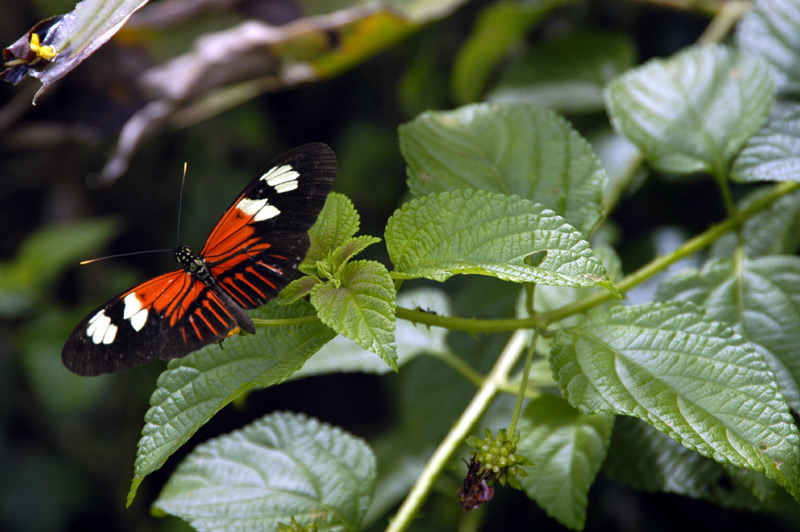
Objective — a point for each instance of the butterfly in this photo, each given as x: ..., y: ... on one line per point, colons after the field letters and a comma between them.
x: 251, y: 254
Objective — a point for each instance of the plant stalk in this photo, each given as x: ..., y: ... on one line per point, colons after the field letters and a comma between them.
x: 455, y: 438
x: 512, y: 427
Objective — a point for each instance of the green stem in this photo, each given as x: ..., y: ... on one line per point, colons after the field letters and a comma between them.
x: 663, y: 262
x: 709, y: 7
x: 275, y: 322
x: 458, y: 364
x: 513, y: 388
x: 471, y: 325
x: 512, y: 426
x: 721, y: 177
x: 724, y: 21
x: 529, y: 289
x: 455, y: 438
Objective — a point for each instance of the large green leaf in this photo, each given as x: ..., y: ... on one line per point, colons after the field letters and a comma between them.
x: 772, y: 231
x: 282, y: 467
x: 477, y: 232
x: 567, y: 449
x: 566, y: 74
x: 772, y: 30
x: 690, y: 377
x: 772, y: 153
x: 760, y: 299
x: 360, y: 305
x: 645, y: 459
x: 507, y: 148
x: 196, y: 387
x: 694, y: 111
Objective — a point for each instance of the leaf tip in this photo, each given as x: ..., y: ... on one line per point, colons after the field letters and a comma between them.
x: 132, y: 491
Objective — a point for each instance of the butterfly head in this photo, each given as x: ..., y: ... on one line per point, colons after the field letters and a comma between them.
x: 193, y: 264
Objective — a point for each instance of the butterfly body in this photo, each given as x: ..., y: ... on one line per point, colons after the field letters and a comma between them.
x: 251, y: 254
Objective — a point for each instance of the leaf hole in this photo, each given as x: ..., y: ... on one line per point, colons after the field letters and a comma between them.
x: 535, y: 258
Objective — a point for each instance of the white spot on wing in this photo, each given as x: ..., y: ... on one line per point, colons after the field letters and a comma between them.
x: 282, y: 178
x: 100, y: 329
x: 134, y: 311
x: 286, y: 187
x: 111, y: 333
x: 260, y: 210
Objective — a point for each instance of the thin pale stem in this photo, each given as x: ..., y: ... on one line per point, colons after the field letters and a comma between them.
x: 280, y: 322
x: 512, y: 426
x: 455, y: 438
x: 724, y: 21
x: 458, y: 364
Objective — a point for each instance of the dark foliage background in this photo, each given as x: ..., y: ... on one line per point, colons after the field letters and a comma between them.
x: 67, y: 443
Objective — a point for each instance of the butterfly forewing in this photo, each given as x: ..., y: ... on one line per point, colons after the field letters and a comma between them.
x: 258, y: 243
x: 252, y: 253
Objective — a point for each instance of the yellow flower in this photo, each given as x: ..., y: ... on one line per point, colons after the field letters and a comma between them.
x: 42, y: 51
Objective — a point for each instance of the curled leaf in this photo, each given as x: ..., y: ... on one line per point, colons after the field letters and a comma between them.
x: 55, y: 46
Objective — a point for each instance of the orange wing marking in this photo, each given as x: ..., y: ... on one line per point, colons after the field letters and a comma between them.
x: 163, y: 294
x: 214, y: 312
x: 229, y: 233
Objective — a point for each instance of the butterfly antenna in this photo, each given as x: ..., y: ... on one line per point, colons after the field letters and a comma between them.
x: 180, y: 203
x: 123, y: 255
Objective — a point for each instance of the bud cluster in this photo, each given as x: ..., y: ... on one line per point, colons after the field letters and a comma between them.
x: 496, y: 459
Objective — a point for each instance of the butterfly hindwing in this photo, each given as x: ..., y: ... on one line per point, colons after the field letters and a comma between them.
x: 166, y: 317
x: 261, y: 239
x: 251, y: 254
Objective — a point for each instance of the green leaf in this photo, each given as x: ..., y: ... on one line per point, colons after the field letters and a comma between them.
x: 622, y: 161
x: 645, y: 459
x: 297, y: 289
x: 58, y: 393
x: 399, y: 469
x: 771, y: 29
x: 548, y: 298
x: 517, y: 149
x: 694, y: 111
x: 351, y: 248
x: 336, y: 224
x: 43, y: 256
x: 773, y: 231
x: 477, y: 232
x: 342, y: 355
x: 499, y: 27
x: 52, y: 249
x: 772, y: 153
x: 199, y: 385
x: 280, y: 467
x: 566, y: 74
x: 760, y: 299
x: 688, y: 376
x: 360, y: 305
x: 567, y: 449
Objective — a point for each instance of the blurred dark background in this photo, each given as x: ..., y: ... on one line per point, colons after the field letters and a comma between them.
x: 67, y: 444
